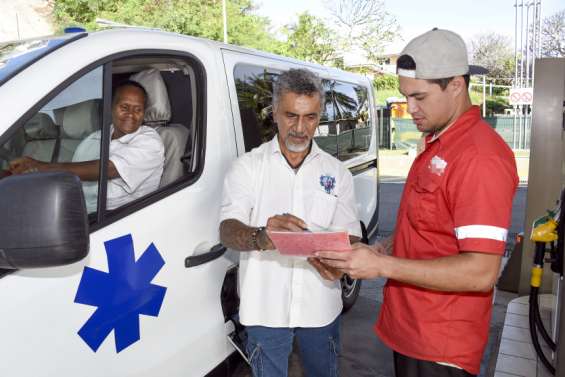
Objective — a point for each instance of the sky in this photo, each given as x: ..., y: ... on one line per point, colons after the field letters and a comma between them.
x: 466, y: 17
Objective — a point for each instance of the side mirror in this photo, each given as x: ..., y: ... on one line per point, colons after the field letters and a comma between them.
x: 43, y: 220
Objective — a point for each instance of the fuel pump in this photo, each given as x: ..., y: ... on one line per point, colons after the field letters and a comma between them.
x: 547, y: 233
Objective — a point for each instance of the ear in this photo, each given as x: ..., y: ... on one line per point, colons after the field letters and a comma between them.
x: 457, y: 85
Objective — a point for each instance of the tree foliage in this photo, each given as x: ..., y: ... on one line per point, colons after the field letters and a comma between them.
x: 363, y: 25
x: 359, y: 26
x: 494, y: 52
x: 201, y: 18
x: 385, y: 82
x: 309, y: 39
x: 553, y: 35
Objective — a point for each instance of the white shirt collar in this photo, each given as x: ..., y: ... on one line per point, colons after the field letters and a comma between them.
x: 127, y: 137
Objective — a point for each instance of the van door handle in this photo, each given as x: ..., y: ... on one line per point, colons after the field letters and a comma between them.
x: 214, y: 253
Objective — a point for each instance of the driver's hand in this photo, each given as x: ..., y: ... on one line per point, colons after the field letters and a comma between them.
x: 24, y: 165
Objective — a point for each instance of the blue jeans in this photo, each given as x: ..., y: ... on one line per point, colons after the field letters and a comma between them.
x: 268, y: 349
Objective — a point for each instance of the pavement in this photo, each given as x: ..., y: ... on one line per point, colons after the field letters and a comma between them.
x: 362, y: 353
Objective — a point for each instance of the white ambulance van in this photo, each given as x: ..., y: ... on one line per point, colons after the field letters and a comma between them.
x: 144, y: 289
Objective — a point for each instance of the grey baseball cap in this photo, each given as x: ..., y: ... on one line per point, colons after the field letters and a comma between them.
x: 438, y: 54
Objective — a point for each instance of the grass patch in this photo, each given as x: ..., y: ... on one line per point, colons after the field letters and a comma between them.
x: 382, y: 95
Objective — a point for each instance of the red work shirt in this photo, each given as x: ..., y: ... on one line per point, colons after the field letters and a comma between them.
x: 457, y: 198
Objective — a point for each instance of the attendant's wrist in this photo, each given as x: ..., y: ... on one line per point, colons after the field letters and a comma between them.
x: 387, y: 266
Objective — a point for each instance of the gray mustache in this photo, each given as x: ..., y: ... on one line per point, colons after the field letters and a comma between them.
x: 296, y: 134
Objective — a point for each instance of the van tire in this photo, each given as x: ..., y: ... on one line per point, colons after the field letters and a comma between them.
x: 349, y: 292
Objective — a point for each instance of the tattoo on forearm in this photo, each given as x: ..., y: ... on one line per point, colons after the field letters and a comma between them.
x: 236, y: 235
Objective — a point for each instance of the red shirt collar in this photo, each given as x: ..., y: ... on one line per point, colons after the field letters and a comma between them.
x: 461, y: 125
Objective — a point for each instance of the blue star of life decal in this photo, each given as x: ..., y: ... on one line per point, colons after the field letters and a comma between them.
x: 121, y: 294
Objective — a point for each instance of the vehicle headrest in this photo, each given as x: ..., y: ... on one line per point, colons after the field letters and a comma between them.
x: 40, y: 127
x: 158, y: 109
x: 81, y: 119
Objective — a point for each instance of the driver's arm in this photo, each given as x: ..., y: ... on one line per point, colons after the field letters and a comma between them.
x: 86, y: 171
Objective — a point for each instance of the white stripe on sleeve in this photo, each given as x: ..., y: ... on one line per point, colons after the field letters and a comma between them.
x: 481, y: 231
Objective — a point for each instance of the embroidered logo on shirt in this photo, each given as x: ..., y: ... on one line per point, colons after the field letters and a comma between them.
x: 437, y: 165
x: 328, y: 183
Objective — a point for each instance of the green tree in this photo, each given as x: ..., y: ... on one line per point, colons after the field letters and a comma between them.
x: 309, y: 39
x: 385, y: 81
x: 201, y: 18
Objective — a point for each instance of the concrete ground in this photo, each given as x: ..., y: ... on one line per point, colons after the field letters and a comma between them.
x: 363, y: 354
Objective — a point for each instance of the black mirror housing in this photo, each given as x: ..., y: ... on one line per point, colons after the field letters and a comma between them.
x: 43, y: 221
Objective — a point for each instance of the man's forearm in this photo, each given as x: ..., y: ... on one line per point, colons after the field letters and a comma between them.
x: 465, y: 272
x: 86, y: 171
x: 387, y: 244
x: 236, y: 235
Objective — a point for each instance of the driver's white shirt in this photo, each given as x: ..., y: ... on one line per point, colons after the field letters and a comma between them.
x: 138, y: 158
x: 277, y: 290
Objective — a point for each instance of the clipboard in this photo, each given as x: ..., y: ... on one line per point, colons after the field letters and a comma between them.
x: 305, y: 244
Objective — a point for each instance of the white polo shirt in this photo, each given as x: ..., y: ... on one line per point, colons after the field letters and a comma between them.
x: 138, y: 158
x: 277, y: 290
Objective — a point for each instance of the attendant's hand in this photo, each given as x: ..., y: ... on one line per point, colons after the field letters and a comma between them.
x: 325, y: 271
x: 24, y: 165
x: 362, y: 262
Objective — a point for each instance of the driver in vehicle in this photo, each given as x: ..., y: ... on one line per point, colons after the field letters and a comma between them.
x: 136, y: 155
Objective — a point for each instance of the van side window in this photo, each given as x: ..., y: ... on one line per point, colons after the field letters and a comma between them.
x: 326, y: 131
x: 254, y: 86
x: 53, y: 134
x: 162, y: 153
x: 345, y: 128
x: 347, y: 131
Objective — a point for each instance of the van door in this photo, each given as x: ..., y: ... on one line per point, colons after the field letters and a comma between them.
x: 136, y: 306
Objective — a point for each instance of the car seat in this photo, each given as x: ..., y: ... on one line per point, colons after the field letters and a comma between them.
x: 40, y: 138
x: 77, y: 121
x: 157, y: 115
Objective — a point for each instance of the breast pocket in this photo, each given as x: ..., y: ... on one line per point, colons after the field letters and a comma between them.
x: 423, y: 206
x: 322, y: 210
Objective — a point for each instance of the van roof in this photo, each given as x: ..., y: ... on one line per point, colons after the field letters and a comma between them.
x: 226, y: 46
x: 118, y: 32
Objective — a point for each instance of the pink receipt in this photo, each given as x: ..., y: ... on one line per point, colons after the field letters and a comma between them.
x: 306, y: 243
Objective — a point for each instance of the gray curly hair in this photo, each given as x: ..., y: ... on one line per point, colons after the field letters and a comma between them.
x: 300, y: 81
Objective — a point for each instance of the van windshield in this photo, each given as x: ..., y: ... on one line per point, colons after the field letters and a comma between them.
x: 17, y: 55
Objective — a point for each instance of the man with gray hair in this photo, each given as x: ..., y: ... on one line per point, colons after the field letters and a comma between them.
x: 288, y: 184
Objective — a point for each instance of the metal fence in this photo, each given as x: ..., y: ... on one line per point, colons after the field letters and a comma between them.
x: 400, y: 133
